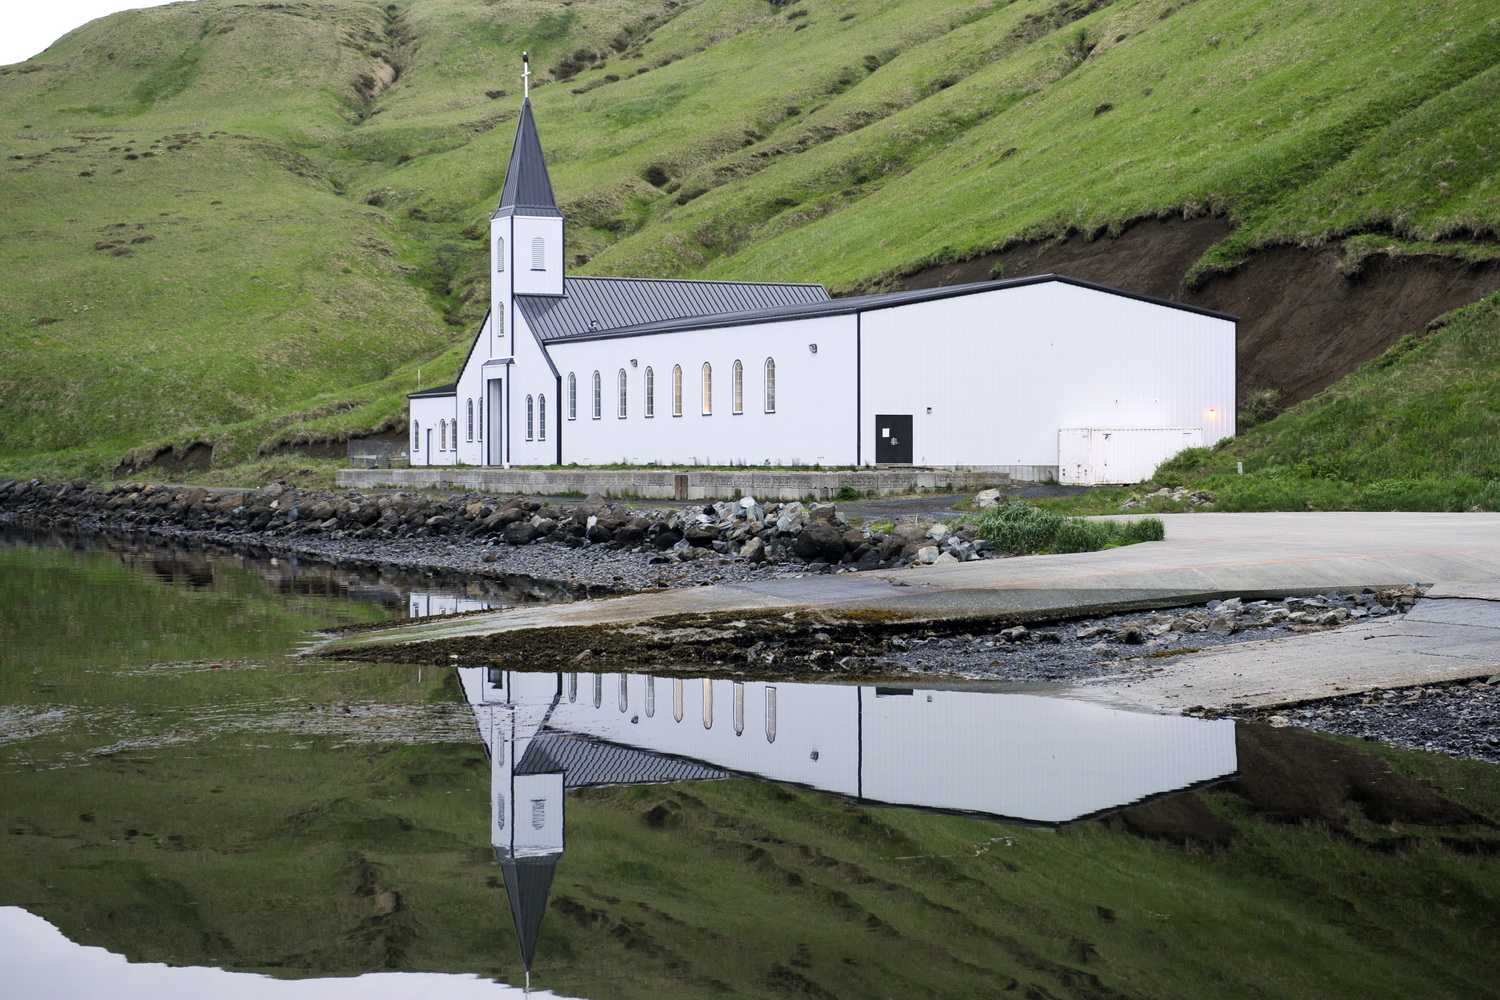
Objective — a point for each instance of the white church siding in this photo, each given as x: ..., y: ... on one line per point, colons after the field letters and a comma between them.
x: 430, y: 427
x: 990, y: 377
x: 813, y: 423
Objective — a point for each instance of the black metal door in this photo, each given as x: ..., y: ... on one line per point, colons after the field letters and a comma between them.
x: 893, y: 439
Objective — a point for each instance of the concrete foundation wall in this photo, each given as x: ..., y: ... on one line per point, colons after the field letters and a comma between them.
x: 692, y: 484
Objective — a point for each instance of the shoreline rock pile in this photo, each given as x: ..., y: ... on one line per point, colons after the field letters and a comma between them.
x: 741, y: 530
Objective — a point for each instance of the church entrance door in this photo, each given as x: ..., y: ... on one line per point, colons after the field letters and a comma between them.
x: 494, y: 413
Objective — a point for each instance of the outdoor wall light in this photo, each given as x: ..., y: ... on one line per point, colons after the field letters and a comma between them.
x: 812, y: 348
x: 632, y: 362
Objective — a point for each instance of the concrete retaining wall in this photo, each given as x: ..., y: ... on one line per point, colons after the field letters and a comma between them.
x: 691, y: 484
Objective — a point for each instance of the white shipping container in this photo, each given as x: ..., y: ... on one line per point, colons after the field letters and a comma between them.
x: 1097, y: 456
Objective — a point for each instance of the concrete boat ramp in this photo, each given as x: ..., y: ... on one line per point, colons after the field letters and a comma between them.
x: 1453, y: 633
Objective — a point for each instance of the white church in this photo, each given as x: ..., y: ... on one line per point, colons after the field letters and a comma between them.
x: 1017, y: 375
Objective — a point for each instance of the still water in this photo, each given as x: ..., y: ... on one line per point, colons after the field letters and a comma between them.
x: 188, y: 808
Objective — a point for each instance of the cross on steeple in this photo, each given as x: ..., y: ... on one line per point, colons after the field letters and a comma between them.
x: 525, y: 75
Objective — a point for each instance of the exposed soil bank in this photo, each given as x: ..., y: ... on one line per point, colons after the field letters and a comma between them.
x: 1305, y: 322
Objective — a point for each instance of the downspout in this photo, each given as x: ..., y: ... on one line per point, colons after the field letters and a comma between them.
x: 859, y: 386
x: 558, y: 423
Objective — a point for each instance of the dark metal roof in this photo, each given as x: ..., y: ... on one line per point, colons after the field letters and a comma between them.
x: 586, y: 762
x: 528, y: 880
x: 451, y: 389
x: 594, y: 306
x: 528, y: 189
x: 867, y: 303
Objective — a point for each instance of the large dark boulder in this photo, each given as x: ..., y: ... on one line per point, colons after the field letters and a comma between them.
x: 819, y: 540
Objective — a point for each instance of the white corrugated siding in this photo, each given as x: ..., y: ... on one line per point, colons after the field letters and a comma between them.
x: 815, y: 397
x: 1003, y: 371
x: 1094, y: 456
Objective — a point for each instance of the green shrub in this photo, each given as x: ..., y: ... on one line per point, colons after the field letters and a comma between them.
x: 1018, y: 528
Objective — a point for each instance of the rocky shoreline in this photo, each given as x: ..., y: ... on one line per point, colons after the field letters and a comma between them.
x: 593, y: 541
x: 595, y: 547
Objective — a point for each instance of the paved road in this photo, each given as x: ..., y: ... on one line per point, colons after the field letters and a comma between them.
x: 1204, y: 556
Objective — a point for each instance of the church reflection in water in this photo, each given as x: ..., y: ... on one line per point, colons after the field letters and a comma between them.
x: 1012, y: 758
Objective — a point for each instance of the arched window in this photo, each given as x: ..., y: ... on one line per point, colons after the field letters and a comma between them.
x: 572, y: 687
x: 471, y: 420
x: 624, y: 695
x: 499, y: 253
x: 708, y: 703
x: 481, y: 420
x: 708, y: 389
x: 598, y: 397
x: 442, y: 435
x: 650, y: 392
x: 572, y: 396
x: 677, y: 699
x: 739, y: 708
x: 530, y: 419
x: 598, y: 690
x: 539, y: 254
x: 500, y: 323
x: 650, y: 697
x: 770, y: 385
x: 676, y: 390
x: 621, y: 380
x: 770, y: 715
x: 416, y: 436
x: 739, y: 387
x: 541, y: 418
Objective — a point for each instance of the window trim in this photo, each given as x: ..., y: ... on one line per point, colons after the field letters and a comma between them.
x: 530, y: 419
x: 737, y: 395
x: 499, y: 254
x: 707, y: 375
x: 572, y: 396
x: 598, y: 397
x: 650, y: 392
x: 538, y: 253
x: 416, y: 435
x: 768, y: 374
x: 676, y: 390
x: 623, y: 383
x: 471, y: 420
x: 541, y: 417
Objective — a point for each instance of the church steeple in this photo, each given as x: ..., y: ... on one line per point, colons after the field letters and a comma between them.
x: 526, y: 230
x: 528, y: 189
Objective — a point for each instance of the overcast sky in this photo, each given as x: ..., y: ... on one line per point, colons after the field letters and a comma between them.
x: 32, y: 25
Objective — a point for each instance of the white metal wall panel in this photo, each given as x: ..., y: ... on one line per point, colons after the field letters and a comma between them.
x: 814, y: 422
x: 1094, y: 456
x: 427, y: 413
x: 991, y: 377
x: 525, y: 278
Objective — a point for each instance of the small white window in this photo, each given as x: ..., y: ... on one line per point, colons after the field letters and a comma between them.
x: 739, y: 388
x: 708, y: 389
x: 572, y: 687
x: 442, y: 435
x: 676, y: 390
x: 708, y: 703
x: 598, y: 397
x: 739, y: 708
x: 471, y: 420
x: 538, y: 813
x: 770, y: 715
x: 598, y: 690
x: 500, y: 812
x: 770, y: 385
x: 499, y: 253
x: 622, y: 381
x: 677, y: 699
x: 572, y: 396
x: 416, y: 436
x: 500, y: 323
x: 481, y: 420
x: 530, y: 419
x: 650, y: 392
x: 539, y: 254
x: 650, y: 697
x: 541, y: 418
x: 624, y: 695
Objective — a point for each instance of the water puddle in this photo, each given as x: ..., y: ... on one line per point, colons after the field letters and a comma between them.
x: 188, y: 808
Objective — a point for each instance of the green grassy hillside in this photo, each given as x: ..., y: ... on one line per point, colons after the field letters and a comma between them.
x: 249, y: 225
